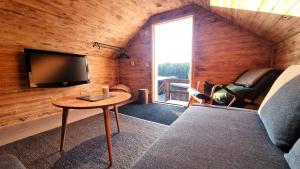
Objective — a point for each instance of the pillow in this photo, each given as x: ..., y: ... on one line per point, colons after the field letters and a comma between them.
x: 293, y: 157
x: 280, y: 110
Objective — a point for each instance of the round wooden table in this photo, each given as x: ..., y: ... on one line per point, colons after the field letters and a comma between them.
x: 71, y: 102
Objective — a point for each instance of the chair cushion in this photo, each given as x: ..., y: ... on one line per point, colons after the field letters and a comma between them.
x: 280, y: 110
x: 205, y: 137
x: 222, y: 97
x: 293, y: 157
x: 250, y: 77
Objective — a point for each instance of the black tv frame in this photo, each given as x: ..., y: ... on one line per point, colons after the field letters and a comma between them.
x: 27, y: 53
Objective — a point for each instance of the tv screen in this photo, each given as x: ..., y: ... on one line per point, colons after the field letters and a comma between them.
x: 55, y: 69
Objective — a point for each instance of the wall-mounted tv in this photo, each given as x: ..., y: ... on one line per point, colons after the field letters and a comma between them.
x: 56, y: 69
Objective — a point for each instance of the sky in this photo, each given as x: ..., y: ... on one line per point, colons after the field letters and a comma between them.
x: 173, y: 41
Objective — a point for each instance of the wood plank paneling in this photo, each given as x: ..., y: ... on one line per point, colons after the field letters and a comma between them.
x: 71, y: 26
x: 270, y: 24
x: 220, y: 50
x: 274, y: 20
x: 49, y: 25
x: 287, y: 52
x: 66, y: 26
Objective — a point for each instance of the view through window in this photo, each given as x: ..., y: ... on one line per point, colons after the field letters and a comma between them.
x: 172, y: 58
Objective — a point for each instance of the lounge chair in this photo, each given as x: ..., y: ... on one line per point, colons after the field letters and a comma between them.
x: 247, y: 87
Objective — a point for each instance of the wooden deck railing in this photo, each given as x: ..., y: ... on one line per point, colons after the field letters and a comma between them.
x: 166, y: 86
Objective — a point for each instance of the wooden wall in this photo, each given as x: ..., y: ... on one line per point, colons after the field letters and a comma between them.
x: 287, y: 52
x: 44, y: 26
x: 221, y: 51
x: 71, y: 26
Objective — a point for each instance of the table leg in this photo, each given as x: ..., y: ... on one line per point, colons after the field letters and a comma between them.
x: 117, y: 117
x: 108, y: 135
x: 63, y: 127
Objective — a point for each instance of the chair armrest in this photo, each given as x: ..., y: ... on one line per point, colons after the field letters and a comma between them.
x: 198, y: 95
x: 193, y: 91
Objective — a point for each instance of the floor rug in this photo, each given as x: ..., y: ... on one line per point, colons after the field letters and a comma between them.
x: 156, y: 112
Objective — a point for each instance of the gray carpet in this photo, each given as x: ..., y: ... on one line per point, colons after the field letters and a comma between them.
x: 85, y: 145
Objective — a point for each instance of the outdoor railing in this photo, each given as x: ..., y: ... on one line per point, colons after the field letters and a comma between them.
x: 166, y: 86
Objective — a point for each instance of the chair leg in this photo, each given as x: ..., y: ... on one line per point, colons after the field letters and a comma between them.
x: 189, y: 103
x: 117, y: 117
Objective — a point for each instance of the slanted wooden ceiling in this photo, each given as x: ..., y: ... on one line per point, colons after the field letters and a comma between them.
x: 116, y: 21
x: 273, y: 20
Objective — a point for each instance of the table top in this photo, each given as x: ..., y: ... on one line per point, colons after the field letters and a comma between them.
x: 73, y: 103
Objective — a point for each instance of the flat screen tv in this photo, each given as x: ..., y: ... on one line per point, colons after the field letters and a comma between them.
x: 56, y: 69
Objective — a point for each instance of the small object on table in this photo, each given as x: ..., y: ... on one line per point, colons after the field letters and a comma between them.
x: 72, y: 102
x: 143, y: 96
x: 93, y: 98
x: 105, y: 90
